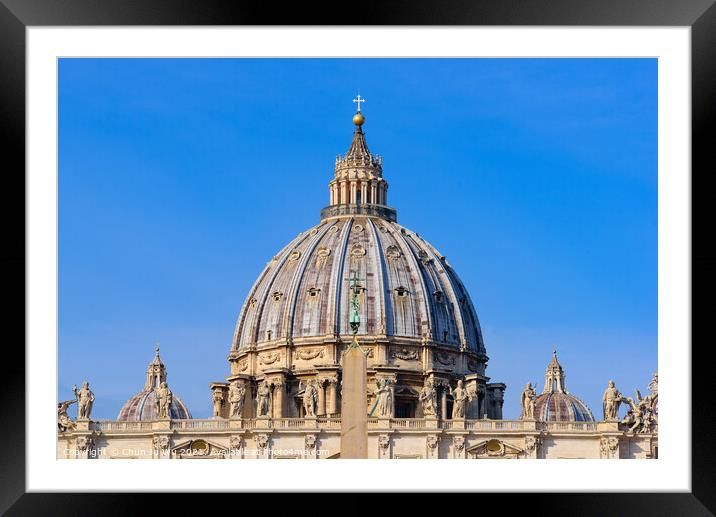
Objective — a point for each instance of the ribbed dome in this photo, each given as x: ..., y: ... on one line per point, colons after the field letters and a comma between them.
x: 411, y: 290
x: 561, y: 407
x: 415, y: 313
x: 142, y: 405
x: 555, y: 403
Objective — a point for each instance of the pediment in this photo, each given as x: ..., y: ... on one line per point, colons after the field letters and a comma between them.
x: 494, y: 449
x: 199, y: 449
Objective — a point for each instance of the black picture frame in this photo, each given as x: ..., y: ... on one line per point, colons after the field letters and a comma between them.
x: 700, y: 15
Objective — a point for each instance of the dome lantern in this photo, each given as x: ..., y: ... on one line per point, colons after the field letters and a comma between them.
x: 142, y: 406
x: 556, y: 403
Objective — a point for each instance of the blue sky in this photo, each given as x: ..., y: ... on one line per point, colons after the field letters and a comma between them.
x: 180, y: 178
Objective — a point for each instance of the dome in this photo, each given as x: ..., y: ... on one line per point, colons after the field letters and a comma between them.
x: 555, y: 403
x: 561, y: 407
x: 410, y: 290
x: 417, y: 320
x: 142, y: 406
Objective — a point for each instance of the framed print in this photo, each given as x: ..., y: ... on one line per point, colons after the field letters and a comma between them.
x: 496, y: 265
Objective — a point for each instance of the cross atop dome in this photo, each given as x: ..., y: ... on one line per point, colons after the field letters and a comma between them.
x: 358, y: 100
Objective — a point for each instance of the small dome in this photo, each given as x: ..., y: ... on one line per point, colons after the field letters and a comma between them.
x: 561, y: 407
x: 555, y: 404
x: 142, y: 405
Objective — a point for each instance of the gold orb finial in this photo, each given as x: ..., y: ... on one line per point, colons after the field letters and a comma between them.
x: 358, y: 119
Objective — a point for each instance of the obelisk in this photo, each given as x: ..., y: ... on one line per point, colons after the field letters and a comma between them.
x: 354, y: 406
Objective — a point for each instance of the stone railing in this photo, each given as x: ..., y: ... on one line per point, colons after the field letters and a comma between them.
x: 118, y: 426
x: 332, y: 423
x: 569, y: 426
x: 495, y: 425
x: 211, y: 424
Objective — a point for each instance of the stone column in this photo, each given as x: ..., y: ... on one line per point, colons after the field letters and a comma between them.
x: 475, y: 407
x: 332, y: 408
x: 321, y: 410
x: 364, y: 193
x: 372, y: 193
x: 278, y: 398
x: 443, y: 401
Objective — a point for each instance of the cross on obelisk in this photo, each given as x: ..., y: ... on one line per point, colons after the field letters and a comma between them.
x: 358, y: 100
x: 354, y: 406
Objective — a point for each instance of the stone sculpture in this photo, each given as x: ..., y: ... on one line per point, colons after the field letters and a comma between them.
x: 429, y: 399
x: 163, y: 400
x: 310, y: 399
x: 64, y: 422
x: 643, y: 413
x: 237, y: 395
x: 528, y: 399
x: 384, y: 398
x: 460, y: 398
x: 85, y: 399
x: 611, y: 400
x: 263, y: 400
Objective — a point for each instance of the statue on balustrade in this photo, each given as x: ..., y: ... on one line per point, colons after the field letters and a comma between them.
x: 383, y: 406
x: 85, y: 399
x: 611, y: 401
x: 237, y: 396
x: 163, y: 400
x: 460, y: 397
x: 643, y: 413
x: 429, y: 399
x: 64, y: 422
x: 310, y: 399
x: 263, y: 400
x: 528, y: 400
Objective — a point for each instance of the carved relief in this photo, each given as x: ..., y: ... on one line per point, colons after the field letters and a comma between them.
x: 322, y: 256
x: 357, y: 251
x: 276, y: 296
x: 269, y: 357
x: 392, y: 252
x: 313, y: 293
x: 160, y: 443
x: 235, y: 442
x: 358, y: 228
x: 261, y: 441
x: 294, y: 256
x: 432, y: 441
x: 310, y: 442
x: 458, y: 442
x: 384, y: 441
x: 424, y: 257
x: 406, y: 355
x: 252, y: 303
x: 242, y: 365
x: 84, y: 442
x: 531, y: 443
x: 308, y: 353
x: 444, y: 359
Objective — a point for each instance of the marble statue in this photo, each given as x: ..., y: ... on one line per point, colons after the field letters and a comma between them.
x: 643, y: 415
x: 611, y: 401
x: 85, y: 399
x: 162, y: 400
x: 263, y: 400
x: 310, y: 399
x: 528, y: 399
x: 64, y: 422
x: 217, y: 398
x: 429, y: 399
x: 237, y: 395
x: 384, y: 398
x: 460, y: 397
